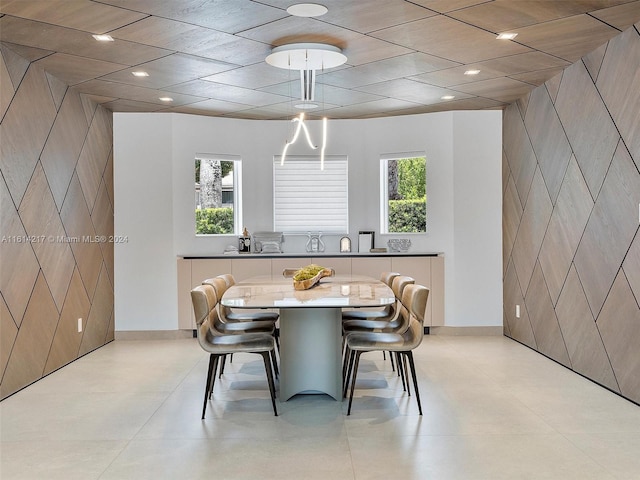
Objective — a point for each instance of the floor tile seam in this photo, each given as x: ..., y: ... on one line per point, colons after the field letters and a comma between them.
x: 594, y: 459
x: 166, y: 394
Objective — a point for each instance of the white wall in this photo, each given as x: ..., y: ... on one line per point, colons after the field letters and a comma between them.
x: 463, y: 152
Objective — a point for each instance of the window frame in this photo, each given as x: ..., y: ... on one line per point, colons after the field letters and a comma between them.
x: 237, y: 192
x: 384, y: 189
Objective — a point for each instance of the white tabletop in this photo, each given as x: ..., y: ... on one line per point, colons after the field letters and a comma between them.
x: 339, y: 291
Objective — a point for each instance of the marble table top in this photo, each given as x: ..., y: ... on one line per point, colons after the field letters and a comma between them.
x: 339, y: 291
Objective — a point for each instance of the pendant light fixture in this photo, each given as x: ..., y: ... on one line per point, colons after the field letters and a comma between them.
x: 307, y: 58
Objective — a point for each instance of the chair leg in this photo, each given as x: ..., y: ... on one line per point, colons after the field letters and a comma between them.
x: 207, y: 385
x: 409, y: 354
x: 272, y: 388
x: 393, y: 367
x: 400, y: 369
x: 384, y: 356
x: 406, y: 373
x: 353, y: 381
x: 213, y: 376
x: 224, y: 360
x: 347, y: 377
x: 345, y: 361
x: 275, y: 363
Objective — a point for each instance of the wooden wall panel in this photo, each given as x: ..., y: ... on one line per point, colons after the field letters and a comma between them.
x: 587, y: 271
x: 48, y: 279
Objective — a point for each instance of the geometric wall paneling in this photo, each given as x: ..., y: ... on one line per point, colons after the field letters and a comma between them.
x: 6, y: 86
x: 48, y: 282
x: 533, y: 225
x: 619, y: 85
x: 30, y: 350
x: 9, y: 331
x: 568, y: 220
x: 97, y: 326
x: 511, y: 214
x: 24, y: 130
x: 543, y: 320
x: 19, y: 263
x: 553, y: 85
x: 41, y: 220
x: 519, y: 152
x: 64, y: 145
x: 519, y: 327
x: 506, y: 172
x: 89, y: 106
x: 102, y: 217
x: 94, y: 156
x: 588, y: 125
x: 15, y: 64
x: 58, y: 89
x: 619, y: 325
x: 586, y: 350
x: 77, y: 222
x: 631, y: 267
x: 66, y: 342
x: 593, y: 61
x: 587, y: 270
x: 549, y: 142
x: 610, y: 230
x: 522, y: 103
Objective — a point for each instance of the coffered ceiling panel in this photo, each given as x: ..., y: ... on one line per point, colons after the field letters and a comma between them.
x: 448, y: 38
x: 229, y: 16
x: 79, y: 14
x: 72, y: 69
x: 226, y: 41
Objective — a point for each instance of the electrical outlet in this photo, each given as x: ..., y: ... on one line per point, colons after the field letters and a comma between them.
x: 517, y: 311
x: 79, y: 325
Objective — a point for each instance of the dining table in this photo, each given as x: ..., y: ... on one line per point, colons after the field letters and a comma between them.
x: 310, y: 324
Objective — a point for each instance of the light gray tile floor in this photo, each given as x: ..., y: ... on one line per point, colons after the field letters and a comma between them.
x: 493, y: 409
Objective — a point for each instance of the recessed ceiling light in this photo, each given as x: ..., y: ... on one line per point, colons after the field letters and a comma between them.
x: 166, y: 99
x: 139, y: 73
x: 307, y: 10
x: 448, y: 97
x: 472, y: 72
x: 103, y: 38
x: 507, y: 36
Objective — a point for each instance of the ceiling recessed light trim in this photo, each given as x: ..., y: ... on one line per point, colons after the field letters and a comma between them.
x: 165, y: 99
x: 307, y: 10
x: 139, y: 73
x: 103, y: 38
x: 306, y: 105
x: 507, y: 36
x: 472, y: 72
x: 448, y: 97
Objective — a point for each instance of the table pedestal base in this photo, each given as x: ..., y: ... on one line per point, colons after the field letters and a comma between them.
x: 310, y: 352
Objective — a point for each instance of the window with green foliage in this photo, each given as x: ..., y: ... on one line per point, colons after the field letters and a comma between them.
x: 403, y: 185
x: 217, y: 194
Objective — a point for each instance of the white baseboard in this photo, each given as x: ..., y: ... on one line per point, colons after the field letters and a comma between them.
x: 477, y: 331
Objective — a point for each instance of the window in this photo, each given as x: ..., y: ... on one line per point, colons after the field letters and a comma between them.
x: 217, y: 194
x: 307, y: 199
x: 403, y: 198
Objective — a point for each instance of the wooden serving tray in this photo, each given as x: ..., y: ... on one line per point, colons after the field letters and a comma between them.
x: 310, y: 282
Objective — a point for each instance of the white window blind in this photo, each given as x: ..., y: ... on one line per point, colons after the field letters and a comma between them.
x: 309, y: 199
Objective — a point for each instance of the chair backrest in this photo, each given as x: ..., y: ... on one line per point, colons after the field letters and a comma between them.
x: 204, y: 299
x: 414, y: 303
x: 399, y: 283
x: 387, y: 277
x: 228, y: 278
